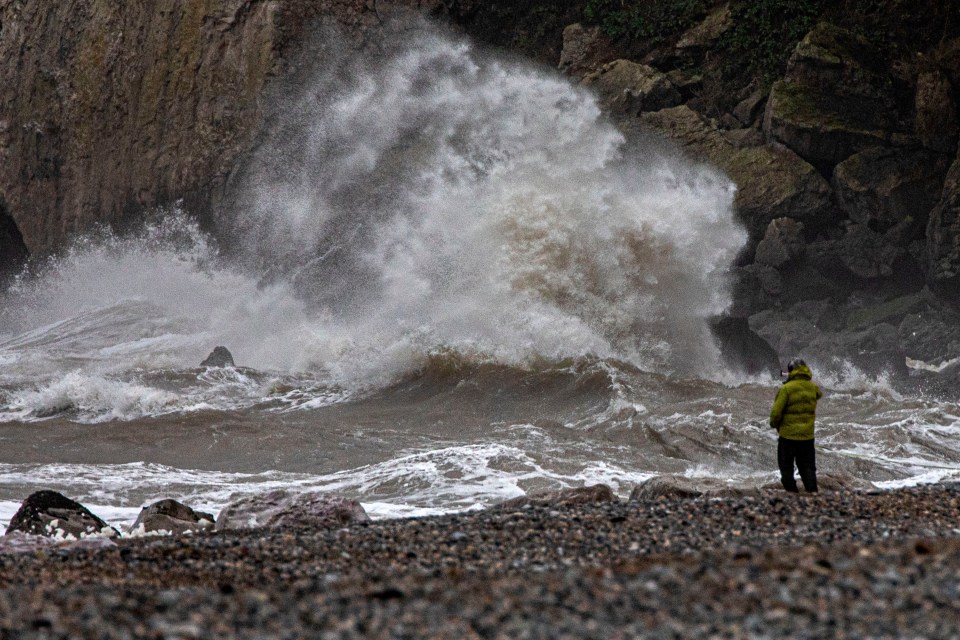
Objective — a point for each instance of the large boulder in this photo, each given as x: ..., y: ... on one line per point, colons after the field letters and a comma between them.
x: 171, y: 517
x: 862, y: 254
x: 782, y: 243
x: 283, y: 508
x: 626, y: 87
x: 930, y: 335
x: 873, y: 348
x: 772, y: 181
x: 833, y: 101
x: 791, y: 330
x: 562, y: 498
x: 882, y: 188
x: 51, y: 514
x: 742, y: 349
x: 755, y: 287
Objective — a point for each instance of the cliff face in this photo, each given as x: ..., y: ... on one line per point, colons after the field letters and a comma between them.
x: 110, y: 108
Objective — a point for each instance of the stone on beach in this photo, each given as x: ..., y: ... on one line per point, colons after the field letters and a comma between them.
x: 593, y: 494
x: 51, y: 514
x: 172, y: 516
x: 282, y: 508
x: 674, y: 487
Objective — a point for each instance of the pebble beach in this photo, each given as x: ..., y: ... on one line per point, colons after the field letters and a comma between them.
x: 879, y: 564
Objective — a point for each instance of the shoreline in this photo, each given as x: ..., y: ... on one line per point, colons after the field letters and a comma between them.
x: 879, y: 563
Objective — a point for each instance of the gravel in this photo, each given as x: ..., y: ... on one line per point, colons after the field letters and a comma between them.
x: 846, y: 564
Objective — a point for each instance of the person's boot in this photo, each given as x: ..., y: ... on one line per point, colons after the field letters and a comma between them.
x: 789, y: 483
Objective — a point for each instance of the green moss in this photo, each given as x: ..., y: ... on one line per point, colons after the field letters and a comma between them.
x: 651, y: 22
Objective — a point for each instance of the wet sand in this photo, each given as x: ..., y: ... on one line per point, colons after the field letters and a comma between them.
x: 878, y: 564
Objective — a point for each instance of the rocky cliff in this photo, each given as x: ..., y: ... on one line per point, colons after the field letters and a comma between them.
x: 110, y: 108
x: 838, y: 121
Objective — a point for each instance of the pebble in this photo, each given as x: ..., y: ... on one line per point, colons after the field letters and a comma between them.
x: 833, y: 565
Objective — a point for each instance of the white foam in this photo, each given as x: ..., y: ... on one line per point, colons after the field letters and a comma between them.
x: 440, y: 481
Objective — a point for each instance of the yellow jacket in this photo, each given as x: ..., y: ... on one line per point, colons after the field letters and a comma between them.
x: 795, y: 408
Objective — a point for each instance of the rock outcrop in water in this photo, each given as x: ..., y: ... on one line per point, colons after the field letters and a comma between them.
x: 219, y: 357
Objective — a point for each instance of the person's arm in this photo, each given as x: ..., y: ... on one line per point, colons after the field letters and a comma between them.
x: 779, y: 404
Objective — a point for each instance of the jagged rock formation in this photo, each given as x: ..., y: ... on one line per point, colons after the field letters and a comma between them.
x: 219, y: 357
x: 847, y: 174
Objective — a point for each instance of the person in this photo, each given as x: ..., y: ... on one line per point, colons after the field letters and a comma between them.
x: 793, y: 414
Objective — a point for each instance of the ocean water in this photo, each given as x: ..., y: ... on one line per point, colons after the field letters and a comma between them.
x: 448, y: 280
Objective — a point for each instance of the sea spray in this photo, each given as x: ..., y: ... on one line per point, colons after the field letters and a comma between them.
x: 431, y: 197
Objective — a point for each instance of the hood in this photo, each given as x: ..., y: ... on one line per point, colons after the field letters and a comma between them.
x: 800, y: 373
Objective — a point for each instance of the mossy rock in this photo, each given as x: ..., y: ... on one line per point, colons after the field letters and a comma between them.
x: 825, y: 128
x: 889, y: 311
x: 772, y: 182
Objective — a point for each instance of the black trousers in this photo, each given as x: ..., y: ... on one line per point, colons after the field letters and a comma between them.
x: 803, y: 453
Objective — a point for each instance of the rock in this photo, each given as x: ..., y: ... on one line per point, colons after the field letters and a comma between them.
x: 673, y: 486
x: 790, y: 332
x: 749, y: 108
x: 772, y: 181
x: 833, y: 101
x: 565, y: 497
x: 881, y: 188
x: 943, y: 234
x: 755, y: 287
x: 871, y: 349
x: 219, y: 357
x: 283, y: 508
x: 888, y: 311
x: 782, y: 243
x: 706, y: 33
x: 688, y: 84
x: 862, y: 254
x: 936, y: 124
x: 584, y: 49
x: 930, y: 335
x: 629, y: 88
x: 941, y: 381
x: 742, y: 349
x: 13, y: 253
x: 20, y: 542
x: 51, y: 514
x: 173, y: 517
